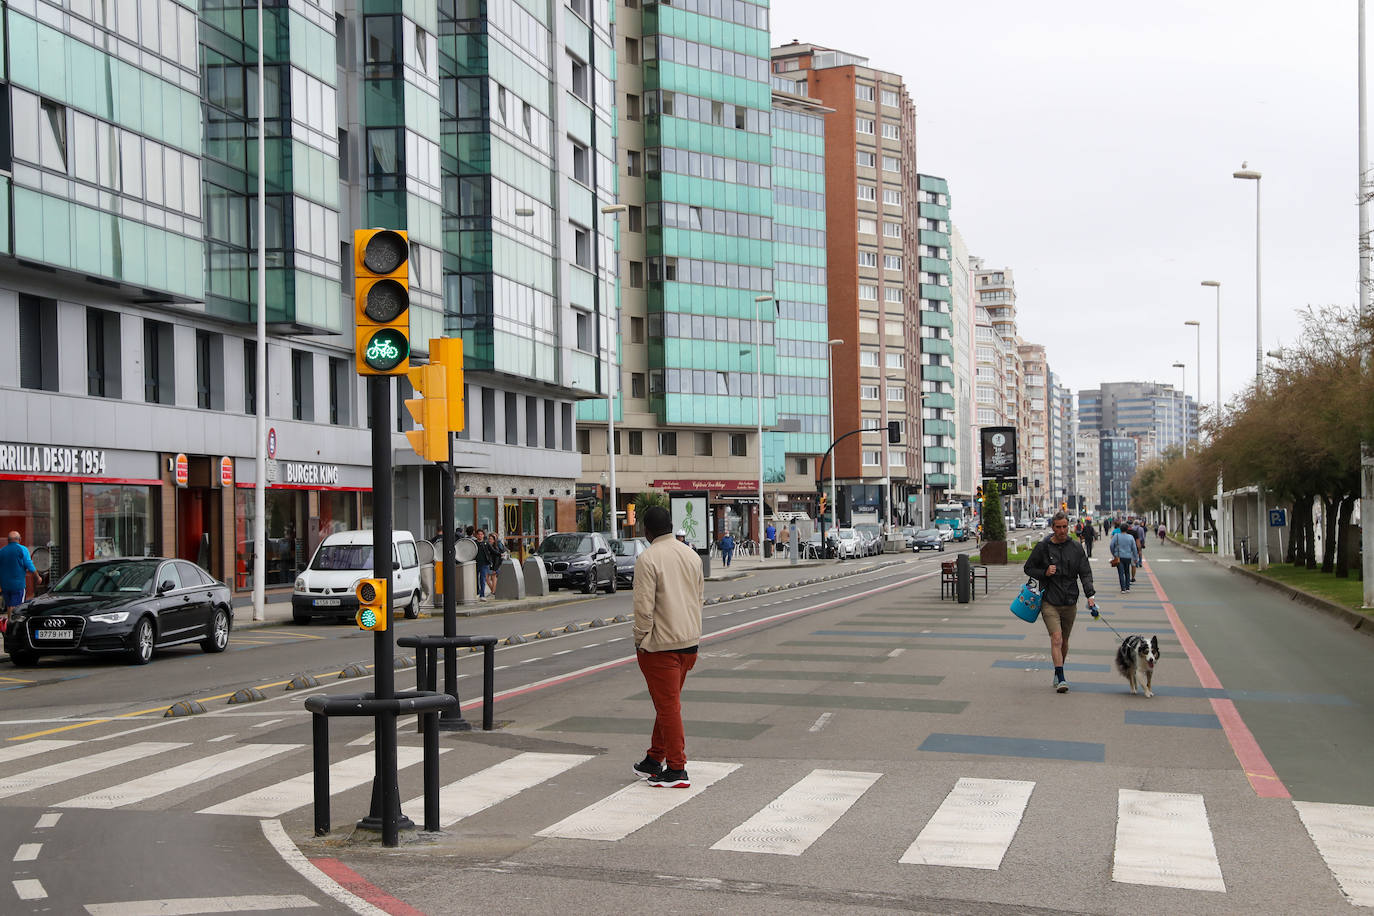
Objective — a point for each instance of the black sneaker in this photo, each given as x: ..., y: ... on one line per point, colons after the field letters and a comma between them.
x: 670, y: 779
x: 648, y: 768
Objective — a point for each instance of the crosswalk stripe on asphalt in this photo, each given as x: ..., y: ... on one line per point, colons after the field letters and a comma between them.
x: 973, y: 826
x: 52, y: 774
x: 1164, y: 839
x: 622, y: 813
x: 32, y: 748
x: 177, y: 777
x: 276, y: 800
x: 497, y: 783
x: 794, y: 820
x: 1344, y: 835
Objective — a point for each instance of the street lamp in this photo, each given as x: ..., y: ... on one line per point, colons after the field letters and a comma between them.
x: 1183, y: 393
x: 1262, y: 516
x: 1197, y: 326
x: 1216, y: 284
x: 830, y: 388
x: 613, y: 210
x: 758, y: 381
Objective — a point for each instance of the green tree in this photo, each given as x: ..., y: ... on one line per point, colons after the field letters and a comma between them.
x: 994, y: 524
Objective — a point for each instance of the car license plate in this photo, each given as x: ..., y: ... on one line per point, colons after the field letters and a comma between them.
x: 54, y: 634
x: 328, y: 602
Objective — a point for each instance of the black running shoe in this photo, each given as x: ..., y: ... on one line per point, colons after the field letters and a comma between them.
x: 648, y: 768
x: 670, y: 779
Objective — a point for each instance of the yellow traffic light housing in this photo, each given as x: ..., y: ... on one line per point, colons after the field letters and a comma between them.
x: 630, y: 514
x: 381, y: 301
x: 822, y: 511
x: 430, y: 438
x: 373, y: 606
x: 448, y: 351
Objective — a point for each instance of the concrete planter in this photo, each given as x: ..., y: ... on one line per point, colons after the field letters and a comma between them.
x: 993, y: 553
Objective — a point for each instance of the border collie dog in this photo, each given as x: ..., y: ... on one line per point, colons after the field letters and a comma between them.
x: 1135, y: 659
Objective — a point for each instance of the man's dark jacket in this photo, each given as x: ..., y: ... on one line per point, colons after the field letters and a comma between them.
x: 1071, y: 563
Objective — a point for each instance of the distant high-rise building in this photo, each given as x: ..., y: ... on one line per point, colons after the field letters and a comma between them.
x: 1087, y: 447
x: 1063, y: 431
x: 965, y: 368
x: 1157, y: 415
x: 1118, y: 458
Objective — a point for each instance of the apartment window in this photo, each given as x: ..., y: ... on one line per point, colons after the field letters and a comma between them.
x: 802, y: 466
x: 867, y: 226
x: 631, y: 49
x: 868, y: 392
x: 896, y: 456
x: 867, y: 192
x: 892, y: 294
x: 892, y: 262
x: 512, y: 419
x: 488, y: 415
x: 892, y: 198
x: 637, y: 281
x: 868, y: 359
x: 872, y: 458
x: 863, y: 93
x: 338, y: 391
x: 864, y: 125
x: 582, y: 163
x: 584, y: 330
x: 102, y: 354
x: 584, y: 441
x: 868, y: 292
x: 868, y: 258
x: 896, y: 392
x: 892, y: 230
x: 867, y: 160
x: 582, y: 247
x: 636, y: 215
x: 892, y: 164
x: 636, y: 442
x: 637, y: 385
x: 891, y: 131
x: 549, y: 441
x: 302, y: 385
x: 631, y: 107
x: 37, y: 343
x: 532, y: 422
x: 633, y: 163
x: 579, y: 7
x: 704, y: 444
x: 157, y: 363
x: 637, y: 330
x: 869, y: 423
x: 250, y: 377
x: 889, y: 98
x: 209, y: 371
x: 896, y: 360
x: 52, y: 134
x: 581, y: 80
x: 667, y: 443
x: 739, y: 445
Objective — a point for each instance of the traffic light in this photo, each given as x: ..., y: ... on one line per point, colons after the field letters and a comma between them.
x: 430, y: 438
x: 448, y: 351
x: 822, y: 512
x: 630, y: 514
x: 381, y: 302
x: 894, y: 432
x: 372, y: 604
x: 979, y: 495
x: 1063, y: 505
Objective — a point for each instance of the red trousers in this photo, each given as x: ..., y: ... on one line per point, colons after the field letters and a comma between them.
x: 665, y: 673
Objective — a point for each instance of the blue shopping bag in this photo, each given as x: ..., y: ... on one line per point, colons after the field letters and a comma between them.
x: 1026, y: 605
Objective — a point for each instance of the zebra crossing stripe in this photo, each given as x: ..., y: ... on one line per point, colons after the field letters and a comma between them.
x: 1163, y: 839
x: 973, y: 826
x: 788, y: 825
x: 177, y: 777
x: 1344, y: 835
x: 497, y: 783
x: 30, y: 748
x: 54, y: 773
x: 622, y: 813
x: 276, y: 800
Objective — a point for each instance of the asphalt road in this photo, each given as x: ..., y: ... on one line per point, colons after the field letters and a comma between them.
x: 868, y: 748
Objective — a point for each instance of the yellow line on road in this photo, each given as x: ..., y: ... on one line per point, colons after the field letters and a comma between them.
x: 18, y: 680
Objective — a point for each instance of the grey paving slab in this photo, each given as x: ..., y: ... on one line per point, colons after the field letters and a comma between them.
x: 841, y: 676
x: 1175, y: 719
x: 964, y: 624
x: 607, y: 725
x: 911, y: 635
x: 817, y: 657
x: 820, y: 701
x: 1086, y: 751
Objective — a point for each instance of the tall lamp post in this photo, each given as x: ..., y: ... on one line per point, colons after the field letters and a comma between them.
x: 758, y: 382
x: 1183, y: 393
x: 830, y: 387
x: 613, y: 389
x: 1196, y: 326
x: 1216, y: 284
x: 1261, y: 512
x: 1362, y: 243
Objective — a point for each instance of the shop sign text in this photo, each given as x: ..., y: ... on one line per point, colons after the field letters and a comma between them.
x: 50, y: 459
x: 322, y: 474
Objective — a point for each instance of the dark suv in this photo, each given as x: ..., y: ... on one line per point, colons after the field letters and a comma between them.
x: 578, y: 559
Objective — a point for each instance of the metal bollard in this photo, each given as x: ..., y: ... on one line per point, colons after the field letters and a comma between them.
x: 963, y: 578
x: 319, y: 727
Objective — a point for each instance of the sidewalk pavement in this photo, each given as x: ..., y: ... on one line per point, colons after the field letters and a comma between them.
x: 277, y: 609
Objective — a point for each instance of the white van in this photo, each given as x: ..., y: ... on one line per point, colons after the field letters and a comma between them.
x: 325, y: 587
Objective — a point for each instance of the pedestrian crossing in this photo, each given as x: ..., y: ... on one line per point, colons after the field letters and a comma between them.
x: 1162, y: 839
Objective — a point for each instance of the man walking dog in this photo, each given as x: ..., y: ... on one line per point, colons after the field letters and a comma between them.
x: 1058, y: 563
x: 669, y: 591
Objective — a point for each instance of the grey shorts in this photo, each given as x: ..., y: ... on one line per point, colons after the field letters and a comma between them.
x: 1058, y: 617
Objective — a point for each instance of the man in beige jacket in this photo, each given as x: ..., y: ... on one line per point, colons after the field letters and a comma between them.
x: 667, y: 628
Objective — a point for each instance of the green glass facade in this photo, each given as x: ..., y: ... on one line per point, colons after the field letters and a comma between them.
x: 709, y: 217
x: 939, y: 437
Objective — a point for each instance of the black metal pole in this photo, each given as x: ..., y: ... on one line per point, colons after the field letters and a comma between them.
x: 320, y: 736
x: 488, y: 685
x: 451, y: 719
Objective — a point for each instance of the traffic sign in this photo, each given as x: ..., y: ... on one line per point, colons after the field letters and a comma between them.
x: 1278, y: 518
x: 272, y: 442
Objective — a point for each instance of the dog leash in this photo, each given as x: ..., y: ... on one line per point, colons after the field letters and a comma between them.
x: 1098, y: 617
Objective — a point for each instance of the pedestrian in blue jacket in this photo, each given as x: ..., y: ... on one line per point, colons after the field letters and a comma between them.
x: 1126, y: 554
x: 15, y: 564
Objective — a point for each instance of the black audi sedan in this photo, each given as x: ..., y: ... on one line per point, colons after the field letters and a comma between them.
x: 130, y: 606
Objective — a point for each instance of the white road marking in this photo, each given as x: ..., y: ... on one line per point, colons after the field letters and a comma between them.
x: 564, y: 652
x: 30, y: 889
x: 1344, y: 835
x: 1163, y: 839
x: 27, y: 852
x: 500, y: 668
x: 622, y: 813
x: 310, y: 872
x: 221, y: 738
x: 973, y: 826
x: 190, y: 906
x: 617, y: 639
x: 268, y: 722
x: 895, y: 652
x: 788, y: 825
x: 276, y: 800
x: 48, y: 820
x: 497, y: 783
x: 29, y: 780
x: 366, y: 739
x: 821, y: 722
x: 537, y: 658
x: 141, y: 728
x: 1187, y: 561
x: 205, y: 770
x: 42, y: 745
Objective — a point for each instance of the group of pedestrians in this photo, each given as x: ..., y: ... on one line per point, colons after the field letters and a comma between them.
x: 490, y: 554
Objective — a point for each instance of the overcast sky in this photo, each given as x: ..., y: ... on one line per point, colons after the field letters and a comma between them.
x: 1089, y: 147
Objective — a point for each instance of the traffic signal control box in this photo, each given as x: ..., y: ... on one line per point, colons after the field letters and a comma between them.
x: 381, y: 301
x: 373, y: 604
x: 430, y: 438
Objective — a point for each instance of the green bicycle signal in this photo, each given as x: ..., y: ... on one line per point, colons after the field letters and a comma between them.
x: 386, y: 349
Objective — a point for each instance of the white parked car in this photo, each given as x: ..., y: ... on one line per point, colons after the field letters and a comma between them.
x: 851, y: 543
x: 325, y: 587
x: 1040, y: 522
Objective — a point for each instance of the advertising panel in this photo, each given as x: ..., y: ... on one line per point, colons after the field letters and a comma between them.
x: 999, y: 451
